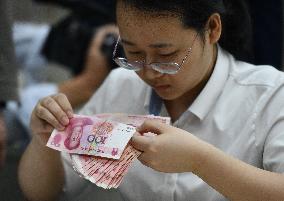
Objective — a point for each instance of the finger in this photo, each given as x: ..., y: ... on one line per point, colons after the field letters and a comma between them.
x: 102, y: 32
x: 45, y: 128
x: 64, y: 103
x: 143, y: 159
x: 53, y: 107
x: 137, y: 134
x: 152, y: 126
x: 44, y: 114
x: 141, y: 143
x: 110, y: 28
x: 39, y: 125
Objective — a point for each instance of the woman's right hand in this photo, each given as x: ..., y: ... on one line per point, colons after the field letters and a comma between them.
x: 50, y: 112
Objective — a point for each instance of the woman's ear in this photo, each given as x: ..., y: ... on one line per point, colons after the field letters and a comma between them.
x: 214, y: 28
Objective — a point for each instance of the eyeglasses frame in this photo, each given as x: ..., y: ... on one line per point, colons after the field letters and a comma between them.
x: 156, y: 63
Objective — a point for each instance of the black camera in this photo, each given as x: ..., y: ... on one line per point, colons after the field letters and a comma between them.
x: 70, y: 38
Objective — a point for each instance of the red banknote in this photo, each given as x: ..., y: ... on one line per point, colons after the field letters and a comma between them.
x: 92, y: 136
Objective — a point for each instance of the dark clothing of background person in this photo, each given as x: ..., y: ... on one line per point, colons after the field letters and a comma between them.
x: 267, y: 22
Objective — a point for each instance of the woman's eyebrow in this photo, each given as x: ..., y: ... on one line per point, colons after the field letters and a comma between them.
x: 156, y: 45
x: 161, y: 45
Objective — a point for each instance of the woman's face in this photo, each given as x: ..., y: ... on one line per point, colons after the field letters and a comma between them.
x: 163, y: 38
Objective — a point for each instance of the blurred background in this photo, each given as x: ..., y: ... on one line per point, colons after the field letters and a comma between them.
x: 31, y: 11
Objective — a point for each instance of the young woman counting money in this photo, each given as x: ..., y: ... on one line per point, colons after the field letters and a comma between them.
x: 183, y: 60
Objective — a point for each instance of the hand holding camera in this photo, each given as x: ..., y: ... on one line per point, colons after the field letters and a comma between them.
x: 99, y: 56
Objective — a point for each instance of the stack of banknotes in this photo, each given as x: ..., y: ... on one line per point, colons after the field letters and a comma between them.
x: 99, y: 145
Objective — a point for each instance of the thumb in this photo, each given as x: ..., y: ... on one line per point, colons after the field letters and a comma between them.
x: 152, y: 126
x: 141, y: 143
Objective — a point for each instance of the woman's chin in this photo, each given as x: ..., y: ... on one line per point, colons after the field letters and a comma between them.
x: 167, y: 95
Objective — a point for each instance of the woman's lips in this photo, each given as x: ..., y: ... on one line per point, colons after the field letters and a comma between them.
x: 161, y: 87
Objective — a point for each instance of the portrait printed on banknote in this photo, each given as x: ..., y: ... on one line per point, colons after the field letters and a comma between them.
x: 75, y: 131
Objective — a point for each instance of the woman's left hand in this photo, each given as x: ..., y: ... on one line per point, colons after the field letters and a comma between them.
x: 171, y: 150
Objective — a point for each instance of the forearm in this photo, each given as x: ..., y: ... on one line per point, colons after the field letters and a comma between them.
x: 235, y: 179
x: 77, y: 90
x: 81, y: 88
x: 41, y: 173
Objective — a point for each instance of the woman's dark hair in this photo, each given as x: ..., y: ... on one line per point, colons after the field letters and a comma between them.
x: 237, y: 31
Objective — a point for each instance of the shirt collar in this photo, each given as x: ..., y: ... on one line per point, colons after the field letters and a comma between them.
x: 212, y: 90
x: 151, y: 100
x: 208, y: 96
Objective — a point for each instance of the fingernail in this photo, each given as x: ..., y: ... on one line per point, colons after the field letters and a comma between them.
x: 65, y: 120
x: 60, y: 127
x: 136, y: 134
x: 69, y: 114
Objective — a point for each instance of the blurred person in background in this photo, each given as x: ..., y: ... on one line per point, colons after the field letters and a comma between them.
x: 38, y: 83
x: 80, y: 42
x: 8, y: 72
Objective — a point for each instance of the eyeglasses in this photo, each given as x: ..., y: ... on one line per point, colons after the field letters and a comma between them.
x: 161, y: 67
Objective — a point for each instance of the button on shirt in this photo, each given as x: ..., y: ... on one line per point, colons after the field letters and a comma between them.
x: 240, y: 111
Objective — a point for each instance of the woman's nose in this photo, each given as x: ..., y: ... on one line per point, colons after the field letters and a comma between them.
x: 150, y: 73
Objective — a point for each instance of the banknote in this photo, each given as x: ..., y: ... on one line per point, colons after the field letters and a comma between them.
x: 92, y: 136
x: 109, y: 173
x: 105, y: 173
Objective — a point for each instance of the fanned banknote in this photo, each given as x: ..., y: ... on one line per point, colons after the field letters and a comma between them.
x: 105, y: 173
x: 108, y: 173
